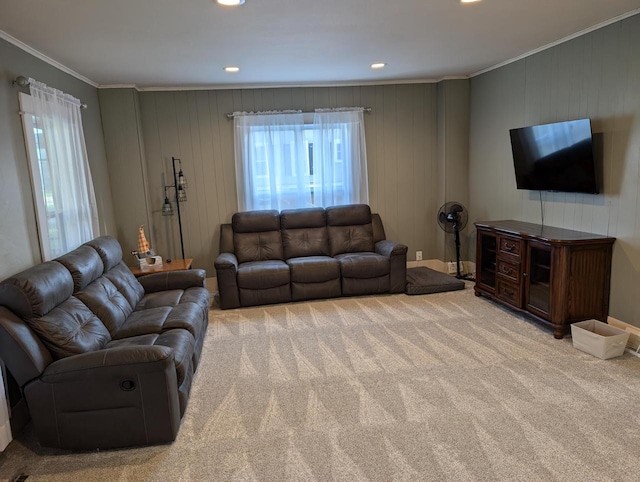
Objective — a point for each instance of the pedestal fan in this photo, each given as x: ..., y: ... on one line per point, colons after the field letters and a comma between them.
x: 452, y: 218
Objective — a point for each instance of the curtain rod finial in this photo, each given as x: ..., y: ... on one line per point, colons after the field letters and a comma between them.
x: 21, y: 81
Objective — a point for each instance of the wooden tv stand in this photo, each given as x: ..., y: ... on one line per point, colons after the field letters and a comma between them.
x: 557, y: 275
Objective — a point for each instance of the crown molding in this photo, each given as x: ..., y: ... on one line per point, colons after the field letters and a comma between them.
x: 118, y: 86
x: 54, y: 63
x: 174, y: 88
x: 600, y: 25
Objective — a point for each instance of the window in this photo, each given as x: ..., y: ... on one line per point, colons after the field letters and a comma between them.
x: 284, y: 162
x: 61, y: 182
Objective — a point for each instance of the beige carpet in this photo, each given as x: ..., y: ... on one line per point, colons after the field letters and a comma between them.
x: 437, y: 387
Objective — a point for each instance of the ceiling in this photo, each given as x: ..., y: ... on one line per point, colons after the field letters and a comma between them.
x: 186, y: 44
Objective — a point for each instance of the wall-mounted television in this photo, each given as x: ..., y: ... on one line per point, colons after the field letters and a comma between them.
x: 555, y: 157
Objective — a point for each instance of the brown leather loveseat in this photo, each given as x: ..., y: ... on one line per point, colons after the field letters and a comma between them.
x: 301, y: 254
x: 103, y: 359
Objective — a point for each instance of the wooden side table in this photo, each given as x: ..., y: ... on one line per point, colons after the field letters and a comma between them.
x: 175, y: 265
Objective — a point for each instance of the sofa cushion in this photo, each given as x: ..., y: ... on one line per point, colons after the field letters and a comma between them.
x: 37, y: 290
x: 109, y: 250
x: 143, y: 322
x: 199, y: 296
x: 350, y: 229
x: 304, y: 232
x: 258, y: 275
x: 258, y: 246
x: 107, y: 303
x: 70, y: 329
x: 314, y: 269
x: 187, y: 310
x: 126, y: 283
x: 187, y: 316
x: 255, y: 221
x: 305, y: 242
x: 160, y: 298
x: 351, y: 239
x: 363, y: 265
x: 84, y: 264
x: 303, y: 218
x: 348, y: 215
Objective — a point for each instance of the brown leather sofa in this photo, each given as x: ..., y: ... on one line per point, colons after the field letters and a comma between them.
x: 301, y: 254
x: 103, y: 359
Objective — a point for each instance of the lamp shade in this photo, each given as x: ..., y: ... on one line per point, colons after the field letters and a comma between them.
x: 167, y: 209
x: 182, y: 180
x: 182, y: 194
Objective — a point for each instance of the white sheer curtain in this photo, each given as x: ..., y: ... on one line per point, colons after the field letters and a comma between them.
x: 340, y: 158
x: 70, y: 215
x: 272, y: 171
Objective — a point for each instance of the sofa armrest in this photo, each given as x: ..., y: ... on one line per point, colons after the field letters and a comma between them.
x: 173, y: 280
x: 397, y: 254
x: 129, y: 359
x: 226, y: 268
x: 226, y: 261
x: 390, y: 248
x: 116, y: 397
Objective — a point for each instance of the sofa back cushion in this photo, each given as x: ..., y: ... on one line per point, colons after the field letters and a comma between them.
x: 42, y: 297
x: 350, y: 229
x: 108, y: 249
x: 256, y: 236
x: 304, y: 232
x: 70, y: 329
x: 36, y: 291
x: 106, y: 302
x: 126, y: 283
x: 102, y: 257
x: 84, y: 264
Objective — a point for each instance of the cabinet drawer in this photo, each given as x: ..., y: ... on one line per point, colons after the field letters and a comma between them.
x: 510, y: 246
x: 509, y: 292
x: 509, y: 270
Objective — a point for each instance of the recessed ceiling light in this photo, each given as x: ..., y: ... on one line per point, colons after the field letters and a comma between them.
x: 232, y: 69
x: 378, y: 65
x: 231, y: 2
x: 469, y: 1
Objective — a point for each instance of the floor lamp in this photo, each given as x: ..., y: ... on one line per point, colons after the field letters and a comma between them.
x: 180, y: 186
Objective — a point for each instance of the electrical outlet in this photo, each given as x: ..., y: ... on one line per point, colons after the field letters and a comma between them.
x: 418, y: 255
x: 451, y: 267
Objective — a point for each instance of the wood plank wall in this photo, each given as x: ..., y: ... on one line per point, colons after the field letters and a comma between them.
x: 191, y: 125
x: 597, y: 76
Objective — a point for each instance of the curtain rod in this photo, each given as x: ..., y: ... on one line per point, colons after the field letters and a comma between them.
x: 22, y: 81
x: 231, y: 115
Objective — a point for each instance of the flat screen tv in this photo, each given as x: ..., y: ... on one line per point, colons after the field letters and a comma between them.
x: 555, y: 157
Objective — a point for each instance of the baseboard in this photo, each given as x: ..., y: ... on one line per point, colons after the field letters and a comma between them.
x: 634, y: 331
x: 435, y: 264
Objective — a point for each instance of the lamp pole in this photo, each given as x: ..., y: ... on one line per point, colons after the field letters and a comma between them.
x: 178, y: 188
